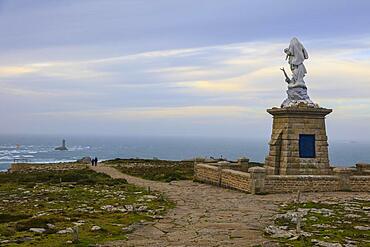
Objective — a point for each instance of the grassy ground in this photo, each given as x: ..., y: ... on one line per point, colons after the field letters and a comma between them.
x: 158, y: 170
x: 164, y: 170
x: 346, y: 224
x: 60, y: 200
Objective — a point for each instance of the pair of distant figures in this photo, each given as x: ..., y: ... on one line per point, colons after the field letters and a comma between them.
x: 94, y: 162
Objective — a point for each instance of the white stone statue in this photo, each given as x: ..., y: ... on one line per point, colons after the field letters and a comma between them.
x: 297, y: 90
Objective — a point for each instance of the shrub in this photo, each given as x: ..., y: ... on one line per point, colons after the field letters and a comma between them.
x: 39, y: 222
x: 83, y: 177
x: 6, y: 217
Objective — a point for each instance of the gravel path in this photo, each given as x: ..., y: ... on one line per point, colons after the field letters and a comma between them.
x: 207, y: 215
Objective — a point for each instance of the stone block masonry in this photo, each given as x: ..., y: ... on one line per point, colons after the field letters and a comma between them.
x: 227, y: 178
x: 303, y: 183
x: 207, y: 173
x: 257, y: 181
x: 285, y: 155
x: 359, y: 183
x: 235, y: 180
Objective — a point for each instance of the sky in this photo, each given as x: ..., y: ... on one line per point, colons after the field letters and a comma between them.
x: 178, y: 67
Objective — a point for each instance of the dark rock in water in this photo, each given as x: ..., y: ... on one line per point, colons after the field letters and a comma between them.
x: 85, y: 160
x: 63, y: 147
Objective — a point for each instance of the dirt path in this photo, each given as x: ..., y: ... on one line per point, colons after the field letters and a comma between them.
x: 207, y: 215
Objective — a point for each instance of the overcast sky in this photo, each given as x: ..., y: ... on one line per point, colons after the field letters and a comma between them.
x: 178, y: 67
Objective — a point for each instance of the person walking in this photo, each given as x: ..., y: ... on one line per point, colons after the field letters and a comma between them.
x: 92, y: 162
x: 96, y: 161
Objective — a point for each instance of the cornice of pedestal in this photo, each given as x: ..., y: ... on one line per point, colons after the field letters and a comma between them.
x: 299, y: 110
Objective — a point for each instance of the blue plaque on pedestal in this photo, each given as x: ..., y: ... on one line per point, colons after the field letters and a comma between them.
x: 307, y: 146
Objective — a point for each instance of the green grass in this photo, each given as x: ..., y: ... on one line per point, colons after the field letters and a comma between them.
x: 62, y: 198
x: 158, y: 170
x: 83, y: 177
x: 341, y: 226
x: 164, y: 170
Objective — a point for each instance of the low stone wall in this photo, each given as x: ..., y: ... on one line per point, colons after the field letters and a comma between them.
x: 359, y: 183
x: 303, y: 183
x: 219, y: 176
x: 207, y: 173
x: 235, y: 180
x: 256, y: 181
x: 22, y: 167
x: 363, y: 169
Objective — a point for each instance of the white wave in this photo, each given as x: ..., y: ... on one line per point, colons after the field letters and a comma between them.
x: 8, y: 146
x: 28, y: 156
x: 53, y: 161
x: 6, y: 158
x: 77, y: 148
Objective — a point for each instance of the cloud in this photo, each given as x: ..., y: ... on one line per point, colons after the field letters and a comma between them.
x: 230, y: 81
x: 233, y: 68
x: 15, y: 70
x: 42, y: 94
x: 142, y: 113
x: 221, y: 87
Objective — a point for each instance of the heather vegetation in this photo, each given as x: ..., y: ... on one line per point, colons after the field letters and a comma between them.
x: 154, y: 169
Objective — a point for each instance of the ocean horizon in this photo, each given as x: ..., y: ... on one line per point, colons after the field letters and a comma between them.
x: 40, y: 149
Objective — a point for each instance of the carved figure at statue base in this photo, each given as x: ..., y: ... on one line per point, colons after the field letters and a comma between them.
x: 296, y: 96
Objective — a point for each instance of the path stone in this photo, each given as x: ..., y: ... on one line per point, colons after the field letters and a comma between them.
x: 207, y: 215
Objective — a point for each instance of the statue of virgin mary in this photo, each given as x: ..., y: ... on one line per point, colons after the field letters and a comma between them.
x: 296, y: 54
x: 297, y: 90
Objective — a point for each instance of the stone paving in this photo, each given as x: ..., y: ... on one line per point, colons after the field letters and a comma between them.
x: 207, y: 215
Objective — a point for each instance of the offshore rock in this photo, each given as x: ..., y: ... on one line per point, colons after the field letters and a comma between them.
x: 63, y: 147
x: 85, y: 160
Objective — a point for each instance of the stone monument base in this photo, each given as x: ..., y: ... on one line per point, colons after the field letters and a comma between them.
x: 298, y: 143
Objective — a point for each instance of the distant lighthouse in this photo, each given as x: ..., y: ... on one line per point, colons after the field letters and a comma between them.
x: 63, y: 147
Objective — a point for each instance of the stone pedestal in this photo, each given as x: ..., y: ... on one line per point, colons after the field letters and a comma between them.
x: 298, y: 142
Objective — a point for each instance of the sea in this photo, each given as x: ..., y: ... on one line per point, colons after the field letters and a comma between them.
x: 40, y: 149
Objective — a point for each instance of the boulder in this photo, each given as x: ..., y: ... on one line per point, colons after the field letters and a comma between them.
x: 278, y: 232
x: 95, y: 228
x: 65, y: 231
x: 362, y: 228
x: 50, y: 226
x: 85, y: 160
x: 324, y: 244
x: 38, y: 230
